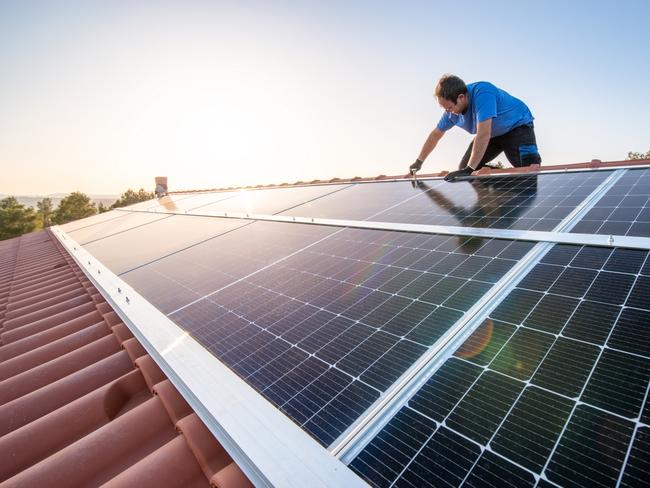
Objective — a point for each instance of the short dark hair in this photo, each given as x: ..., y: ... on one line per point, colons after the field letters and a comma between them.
x: 450, y: 87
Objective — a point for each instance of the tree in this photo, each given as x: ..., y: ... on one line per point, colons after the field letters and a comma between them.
x: 130, y: 197
x: 15, y: 218
x: 638, y: 155
x: 75, y: 206
x: 101, y: 208
x: 45, y: 211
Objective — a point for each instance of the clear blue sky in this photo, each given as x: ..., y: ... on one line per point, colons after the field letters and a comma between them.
x: 103, y: 96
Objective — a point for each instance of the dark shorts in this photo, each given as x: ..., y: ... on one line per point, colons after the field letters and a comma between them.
x: 519, y: 145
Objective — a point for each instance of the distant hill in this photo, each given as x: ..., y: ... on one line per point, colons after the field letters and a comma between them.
x: 30, y: 200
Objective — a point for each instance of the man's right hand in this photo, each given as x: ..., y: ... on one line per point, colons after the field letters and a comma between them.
x: 415, y: 166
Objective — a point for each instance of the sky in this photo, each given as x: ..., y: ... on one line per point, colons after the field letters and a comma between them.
x: 100, y: 97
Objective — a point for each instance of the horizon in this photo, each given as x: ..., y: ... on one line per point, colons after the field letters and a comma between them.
x: 101, y: 98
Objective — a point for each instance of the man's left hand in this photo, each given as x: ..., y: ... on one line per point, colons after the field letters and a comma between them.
x: 466, y: 171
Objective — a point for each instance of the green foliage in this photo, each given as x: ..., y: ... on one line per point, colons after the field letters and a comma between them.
x: 75, y: 206
x: 101, y: 208
x: 129, y: 197
x: 638, y: 155
x: 45, y: 211
x: 15, y: 218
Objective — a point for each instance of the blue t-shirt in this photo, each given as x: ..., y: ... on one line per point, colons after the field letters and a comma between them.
x: 486, y: 101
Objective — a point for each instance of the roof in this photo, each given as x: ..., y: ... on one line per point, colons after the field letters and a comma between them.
x: 81, y: 402
x: 360, y: 322
x: 485, y: 171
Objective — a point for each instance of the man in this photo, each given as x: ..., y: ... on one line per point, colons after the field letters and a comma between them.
x: 500, y: 121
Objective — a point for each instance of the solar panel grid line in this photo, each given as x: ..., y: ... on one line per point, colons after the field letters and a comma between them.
x: 94, y: 223
x: 514, y: 403
x: 574, y: 217
x: 394, y: 294
x: 586, y: 382
x: 623, y: 210
x: 112, y: 227
x: 440, y: 425
x: 602, y: 449
x: 497, y: 429
x: 569, y: 317
x: 576, y: 404
x: 313, y: 199
x: 183, y: 249
x: 330, y: 341
x: 149, y: 204
x: 414, y: 457
x: 253, y: 273
x: 250, y: 373
x: 638, y: 478
x: 191, y: 209
x: 351, y: 443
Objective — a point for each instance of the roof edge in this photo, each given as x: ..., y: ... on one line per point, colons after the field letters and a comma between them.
x: 485, y: 171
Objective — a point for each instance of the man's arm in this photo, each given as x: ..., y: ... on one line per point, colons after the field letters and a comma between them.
x: 483, y: 133
x: 480, y: 144
x: 429, y: 145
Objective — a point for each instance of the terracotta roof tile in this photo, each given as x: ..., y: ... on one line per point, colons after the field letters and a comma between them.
x: 81, y: 402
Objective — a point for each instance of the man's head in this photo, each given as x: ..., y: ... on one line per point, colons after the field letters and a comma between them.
x: 451, y: 93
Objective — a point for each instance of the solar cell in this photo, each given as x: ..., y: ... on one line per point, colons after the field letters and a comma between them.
x: 176, y: 280
x: 638, y: 464
x: 99, y: 230
x: 271, y: 200
x: 522, y: 202
x: 592, y: 449
x: 553, y: 384
x: 94, y: 219
x: 623, y: 210
x: 322, y: 332
x: 181, y: 201
x: 124, y: 251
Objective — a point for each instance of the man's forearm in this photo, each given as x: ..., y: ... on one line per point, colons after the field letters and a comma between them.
x: 430, y: 144
x: 478, y: 150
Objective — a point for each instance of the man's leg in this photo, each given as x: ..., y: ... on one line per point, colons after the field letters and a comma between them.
x: 492, y: 151
x: 520, y: 146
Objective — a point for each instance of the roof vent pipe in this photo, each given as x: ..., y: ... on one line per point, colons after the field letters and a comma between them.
x: 161, y: 186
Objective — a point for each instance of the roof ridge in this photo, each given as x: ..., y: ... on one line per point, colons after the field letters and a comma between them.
x: 485, y: 171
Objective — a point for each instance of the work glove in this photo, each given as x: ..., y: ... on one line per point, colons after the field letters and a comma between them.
x: 415, y: 166
x: 466, y: 171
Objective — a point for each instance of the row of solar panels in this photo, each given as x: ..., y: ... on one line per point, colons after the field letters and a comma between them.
x: 323, y: 321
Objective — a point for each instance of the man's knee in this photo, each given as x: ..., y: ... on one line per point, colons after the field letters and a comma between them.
x: 528, y: 154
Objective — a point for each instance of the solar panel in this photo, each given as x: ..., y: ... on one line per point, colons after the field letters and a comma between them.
x: 191, y: 274
x: 524, y: 202
x: 623, y: 210
x: 323, y: 332
x: 181, y: 201
x: 124, y: 251
x: 550, y: 390
x: 271, y: 200
x: 94, y: 219
x: 553, y: 385
x: 109, y: 227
